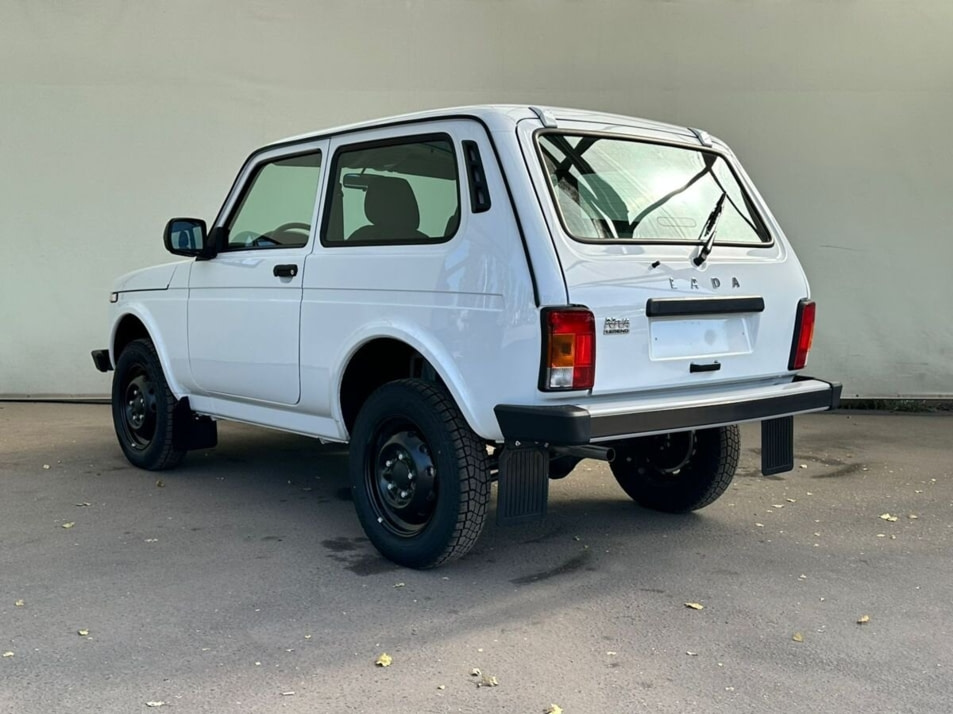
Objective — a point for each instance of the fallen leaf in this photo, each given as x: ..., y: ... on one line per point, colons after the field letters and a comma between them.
x: 887, y: 517
x: 441, y: 687
x: 307, y: 637
x: 692, y: 654
x: 398, y: 585
x: 475, y: 672
x: 790, y: 500
x: 798, y: 637
x: 913, y: 516
x: 8, y: 654
x: 155, y: 704
x: 864, y: 619
x: 610, y: 653
x: 694, y: 605
x: 384, y: 660
x: 18, y: 603
x: 160, y: 483
x: 803, y: 466
x: 759, y: 525
x: 69, y: 525
x: 152, y: 540
x: 83, y: 504
x: 287, y: 694
x: 553, y: 709
x: 46, y: 466
x: 488, y: 681
x: 82, y: 633
x: 777, y: 505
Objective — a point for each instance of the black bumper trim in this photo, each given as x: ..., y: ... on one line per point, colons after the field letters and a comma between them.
x: 101, y: 360
x: 571, y: 425
x: 686, y: 307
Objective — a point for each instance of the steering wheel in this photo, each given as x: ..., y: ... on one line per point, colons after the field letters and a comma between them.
x: 293, y: 226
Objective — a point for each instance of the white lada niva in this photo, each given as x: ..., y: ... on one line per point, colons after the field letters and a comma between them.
x: 474, y: 295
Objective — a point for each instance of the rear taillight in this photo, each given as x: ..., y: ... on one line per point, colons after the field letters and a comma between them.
x: 569, y: 349
x: 803, y: 334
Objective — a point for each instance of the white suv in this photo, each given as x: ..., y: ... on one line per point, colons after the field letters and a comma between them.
x: 474, y: 295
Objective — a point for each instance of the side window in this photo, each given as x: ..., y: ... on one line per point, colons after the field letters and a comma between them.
x: 278, y: 204
x: 393, y: 192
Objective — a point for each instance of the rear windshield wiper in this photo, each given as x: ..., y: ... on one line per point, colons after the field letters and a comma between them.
x: 709, y: 229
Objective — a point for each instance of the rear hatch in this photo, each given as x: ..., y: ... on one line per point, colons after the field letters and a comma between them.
x: 670, y: 247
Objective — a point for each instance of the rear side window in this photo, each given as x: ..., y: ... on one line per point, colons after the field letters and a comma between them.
x: 610, y: 188
x: 393, y: 192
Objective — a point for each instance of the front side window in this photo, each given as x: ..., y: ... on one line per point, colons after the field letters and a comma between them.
x: 609, y: 188
x: 276, y: 208
x: 393, y: 192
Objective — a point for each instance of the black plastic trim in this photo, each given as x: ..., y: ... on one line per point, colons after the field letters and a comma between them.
x: 572, y: 425
x: 479, y: 189
x: 554, y: 425
x: 101, y: 360
x: 684, y: 307
x: 711, y: 367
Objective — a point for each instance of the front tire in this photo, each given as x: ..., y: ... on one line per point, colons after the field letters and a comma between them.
x: 419, y: 475
x: 680, y: 472
x: 143, y: 408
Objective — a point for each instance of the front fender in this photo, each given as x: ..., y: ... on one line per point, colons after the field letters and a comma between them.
x: 164, y: 319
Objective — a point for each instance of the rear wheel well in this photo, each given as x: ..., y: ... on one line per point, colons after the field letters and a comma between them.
x: 374, y: 365
x: 130, y: 328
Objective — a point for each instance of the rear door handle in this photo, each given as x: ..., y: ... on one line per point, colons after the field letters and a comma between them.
x: 285, y: 271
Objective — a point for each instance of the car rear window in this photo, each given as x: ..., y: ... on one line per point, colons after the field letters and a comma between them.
x: 608, y: 188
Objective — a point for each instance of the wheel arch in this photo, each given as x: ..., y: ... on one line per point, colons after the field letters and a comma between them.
x: 377, y: 359
x: 134, y: 325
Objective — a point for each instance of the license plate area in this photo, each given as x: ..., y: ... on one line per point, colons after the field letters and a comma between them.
x: 687, y: 338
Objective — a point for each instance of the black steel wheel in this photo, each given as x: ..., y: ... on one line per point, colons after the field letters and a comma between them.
x: 143, y: 408
x: 419, y: 475
x: 679, y: 472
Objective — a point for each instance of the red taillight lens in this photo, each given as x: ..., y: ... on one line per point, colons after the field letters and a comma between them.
x: 569, y: 349
x: 803, y: 334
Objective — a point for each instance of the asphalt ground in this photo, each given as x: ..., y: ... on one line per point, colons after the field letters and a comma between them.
x: 241, y: 582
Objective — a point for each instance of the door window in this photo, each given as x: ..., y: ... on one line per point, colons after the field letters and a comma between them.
x: 394, y: 193
x: 278, y: 204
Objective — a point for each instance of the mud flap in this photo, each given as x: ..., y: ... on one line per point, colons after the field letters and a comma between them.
x: 191, y: 431
x: 523, y: 487
x: 777, y: 445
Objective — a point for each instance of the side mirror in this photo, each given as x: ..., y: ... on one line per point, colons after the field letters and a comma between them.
x: 185, y: 236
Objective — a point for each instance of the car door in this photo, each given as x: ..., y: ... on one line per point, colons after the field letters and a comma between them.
x: 245, y: 303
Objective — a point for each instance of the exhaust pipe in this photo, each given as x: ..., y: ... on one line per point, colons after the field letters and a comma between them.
x: 586, y: 451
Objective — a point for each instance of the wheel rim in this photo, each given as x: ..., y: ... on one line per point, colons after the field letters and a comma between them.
x: 139, y: 409
x: 401, y: 479
x: 664, y: 456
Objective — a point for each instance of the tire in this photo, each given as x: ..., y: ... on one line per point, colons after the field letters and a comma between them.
x: 142, y: 407
x: 419, y: 475
x: 562, y: 466
x: 678, y: 473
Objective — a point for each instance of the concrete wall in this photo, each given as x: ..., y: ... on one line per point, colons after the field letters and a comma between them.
x: 115, y: 115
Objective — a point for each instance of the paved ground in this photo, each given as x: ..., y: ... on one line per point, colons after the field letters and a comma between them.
x: 241, y: 583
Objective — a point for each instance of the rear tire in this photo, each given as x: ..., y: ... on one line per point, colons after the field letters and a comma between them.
x: 419, y: 475
x: 143, y: 408
x: 680, y: 472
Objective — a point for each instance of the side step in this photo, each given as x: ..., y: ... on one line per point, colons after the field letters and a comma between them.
x: 523, y: 487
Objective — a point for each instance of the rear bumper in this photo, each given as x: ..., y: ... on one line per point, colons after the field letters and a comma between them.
x: 606, y: 420
x: 101, y: 360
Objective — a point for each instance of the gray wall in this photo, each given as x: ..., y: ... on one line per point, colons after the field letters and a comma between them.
x: 115, y: 115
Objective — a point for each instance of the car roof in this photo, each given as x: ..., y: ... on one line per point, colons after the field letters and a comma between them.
x: 502, y: 117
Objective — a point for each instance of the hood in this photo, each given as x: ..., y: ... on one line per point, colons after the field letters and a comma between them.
x: 156, y: 277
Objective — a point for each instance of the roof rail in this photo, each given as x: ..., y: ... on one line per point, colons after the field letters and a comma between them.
x: 704, y: 138
x: 547, y: 119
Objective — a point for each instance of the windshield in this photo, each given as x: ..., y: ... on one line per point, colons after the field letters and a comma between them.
x: 609, y: 188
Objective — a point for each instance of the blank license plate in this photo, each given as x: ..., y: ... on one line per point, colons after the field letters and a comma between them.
x: 699, y: 337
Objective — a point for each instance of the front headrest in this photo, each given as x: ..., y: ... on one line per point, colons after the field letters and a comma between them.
x: 390, y: 202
